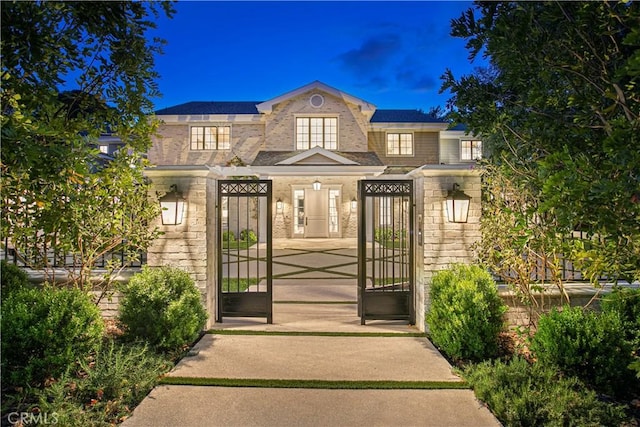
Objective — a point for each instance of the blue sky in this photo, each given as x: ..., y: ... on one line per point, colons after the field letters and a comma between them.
x: 391, y: 54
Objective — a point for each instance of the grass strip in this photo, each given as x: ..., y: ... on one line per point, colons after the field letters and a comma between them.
x: 317, y: 334
x: 316, y: 302
x: 316, y: 384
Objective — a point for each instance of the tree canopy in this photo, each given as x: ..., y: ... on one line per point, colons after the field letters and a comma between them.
x: 71, y: 72
x: 558, y: 108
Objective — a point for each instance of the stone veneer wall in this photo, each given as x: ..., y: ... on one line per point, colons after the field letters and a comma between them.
x: 190, y: 245
x: 280, y: 125
x: 172, y: 146
x: 445, y: 243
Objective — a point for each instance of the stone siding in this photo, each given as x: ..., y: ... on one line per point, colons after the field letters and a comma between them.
x: 280, y: 125
x: 172, y: 145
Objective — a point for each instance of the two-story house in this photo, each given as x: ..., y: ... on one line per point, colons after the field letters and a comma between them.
x: 315, y: 143
x: 333, y: 166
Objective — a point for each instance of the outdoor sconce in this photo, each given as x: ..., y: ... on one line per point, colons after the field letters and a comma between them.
x: 172, y: 205
x: 317, y: 185
x: 354, y: 204
x: 279, y: 206
x: 457, y: 205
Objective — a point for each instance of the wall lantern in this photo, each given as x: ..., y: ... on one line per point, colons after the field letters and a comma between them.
x: 279, y: 206
x: 457, y: 205
x: 317, y: 185
x: 172, y: 205
x: 354, y: 204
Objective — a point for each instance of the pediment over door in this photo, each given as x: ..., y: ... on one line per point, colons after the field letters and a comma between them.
x: 317, y: 156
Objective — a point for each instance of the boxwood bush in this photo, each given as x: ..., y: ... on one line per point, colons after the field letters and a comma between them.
x: 589, y: 345
x: 44, y: 330
x: 466, y: 314
x: 162, y: 306
x: 12, y: 277
x: 626, y: 303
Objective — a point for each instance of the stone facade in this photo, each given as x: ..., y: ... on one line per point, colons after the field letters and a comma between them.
x: 270, y: 129
x: 171, y: 146
x: 280, y: 125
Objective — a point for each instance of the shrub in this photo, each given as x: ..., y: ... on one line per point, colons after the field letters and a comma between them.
x: 12, y: 277
x: 44, y: 331
x: 585, y: 344
x: 466, y: 314
x: 626, y: 303
x: 520, y: 394
x: 103, y: 390
x: 248, y: 236
x: 228, y: 236
x: 162, y: 306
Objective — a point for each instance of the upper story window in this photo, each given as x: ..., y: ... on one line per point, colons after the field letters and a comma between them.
x: 399, y: 144
x: 470, y: 150
x: 316, y: 132
x: 210, y: 137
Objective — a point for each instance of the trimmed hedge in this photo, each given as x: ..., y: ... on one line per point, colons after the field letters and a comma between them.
x: 162, y: 306
x: 44, y: 331
x: 466, y: 314
x: 589, y: 345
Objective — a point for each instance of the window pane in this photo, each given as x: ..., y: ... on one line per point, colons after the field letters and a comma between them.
x: 393, y: 143
x: 197, y: 138
x: 331, y: 133
x: 302, y: 133
x: 316, y: 132
x: 298, y: 211
x: 224, y: 137
x: 209, y: 138
x: 334, y: 202
x: 406, y: 143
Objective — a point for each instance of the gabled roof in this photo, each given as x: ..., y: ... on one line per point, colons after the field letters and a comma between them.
x: 404, y: 116
x: 317, y: 155
x: 267, y: 106
x: 339, y: 158
x: 211, y: 107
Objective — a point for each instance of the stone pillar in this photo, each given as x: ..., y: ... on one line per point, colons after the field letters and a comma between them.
x: 188, y: 246
x: 446, y: 243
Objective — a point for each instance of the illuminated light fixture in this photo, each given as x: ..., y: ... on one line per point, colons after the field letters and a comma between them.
x: 457, y: 205
x: 354, y: 204
x: 317, y: 185
x: 279, y: 206
x: 172, y: 205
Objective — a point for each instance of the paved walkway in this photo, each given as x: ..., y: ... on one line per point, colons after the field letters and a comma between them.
x: 316, y: 335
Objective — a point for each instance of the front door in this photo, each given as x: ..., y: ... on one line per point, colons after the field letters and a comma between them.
x: 317, y: 213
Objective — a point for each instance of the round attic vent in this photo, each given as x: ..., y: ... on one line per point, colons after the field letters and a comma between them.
x: 316, y: 100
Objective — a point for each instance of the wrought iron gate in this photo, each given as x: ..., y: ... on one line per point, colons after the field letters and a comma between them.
x: 385, y: 250
x: 244, y: 249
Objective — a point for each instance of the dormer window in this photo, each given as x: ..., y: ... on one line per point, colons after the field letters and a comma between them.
x: 210, y: 137
x: 316, y: 132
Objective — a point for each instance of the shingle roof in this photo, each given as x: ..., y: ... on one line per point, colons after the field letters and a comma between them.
x: 404, y: 116
x: 249, y: 107
x: 271, y: 158
x: 211, y: 107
